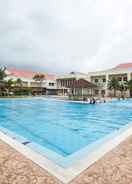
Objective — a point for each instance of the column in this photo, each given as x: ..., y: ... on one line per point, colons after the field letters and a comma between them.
x: 106, y: 85
x: 128, y: 76
x: 82, y: 91
x: 29, y: 84
x: 128, y: 79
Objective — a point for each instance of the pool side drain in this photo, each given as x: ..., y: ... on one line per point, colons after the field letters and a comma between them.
x: 26, y: 142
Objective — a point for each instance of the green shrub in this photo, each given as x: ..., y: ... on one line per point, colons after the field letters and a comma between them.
x: 23, y: 91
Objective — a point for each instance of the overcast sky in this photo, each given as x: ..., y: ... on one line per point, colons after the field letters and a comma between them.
x: 65, y: 35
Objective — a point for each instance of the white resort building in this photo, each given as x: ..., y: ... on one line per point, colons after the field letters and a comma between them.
x: 65, y: 82
x: 75, y: 83
x: 48, y: 85
x: 122, y: 72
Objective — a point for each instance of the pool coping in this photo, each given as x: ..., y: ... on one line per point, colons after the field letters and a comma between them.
x: 69, y: 173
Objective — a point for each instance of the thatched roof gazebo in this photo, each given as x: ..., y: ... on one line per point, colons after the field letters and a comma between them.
x: 82, y: 87
x: 82, y: 83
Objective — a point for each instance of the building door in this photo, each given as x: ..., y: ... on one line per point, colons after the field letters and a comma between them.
x: 102, y: 93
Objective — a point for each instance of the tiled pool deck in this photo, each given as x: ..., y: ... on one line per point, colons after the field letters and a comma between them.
x: 114, y: 168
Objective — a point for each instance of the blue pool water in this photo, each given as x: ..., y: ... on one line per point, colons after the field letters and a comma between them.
x: 63, y: 127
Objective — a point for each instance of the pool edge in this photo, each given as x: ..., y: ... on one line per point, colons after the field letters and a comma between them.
x: 67, y: 174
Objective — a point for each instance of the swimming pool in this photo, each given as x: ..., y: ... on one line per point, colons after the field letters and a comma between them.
x: 61, y: 129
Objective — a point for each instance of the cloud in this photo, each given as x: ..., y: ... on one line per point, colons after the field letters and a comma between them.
x: 62, y: 36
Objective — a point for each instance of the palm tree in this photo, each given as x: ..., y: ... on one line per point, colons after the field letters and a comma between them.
x: 18, y: 82
x: 2, y: 77
x: 9, y: 83
x: 39, y: 78
x: 2, y: 73
x: 113, y: 84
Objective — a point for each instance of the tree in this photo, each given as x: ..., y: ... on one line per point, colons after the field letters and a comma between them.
x: 130, y: 86
x: 122, y: 87
x: 9, y: 83
x: 18, y: 82
x: 2, y: 73
x: 39, y: 78
x: 113, y: 84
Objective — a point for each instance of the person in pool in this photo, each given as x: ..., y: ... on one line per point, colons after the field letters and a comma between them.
x: 92, y: 101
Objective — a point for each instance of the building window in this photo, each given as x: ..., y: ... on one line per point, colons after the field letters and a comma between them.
x: 96, y: 80
x: 104, y: 80
x: 51, y: 84
x: 61, y: 83
x: 124, y: 78
x: 96, y: 92
x: 119, y: 79
x: 103, y: 92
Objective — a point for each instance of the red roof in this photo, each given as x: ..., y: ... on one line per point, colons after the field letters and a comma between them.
x: 124, y: 66
x: 27, y: 74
